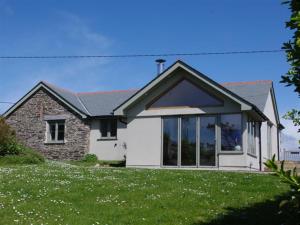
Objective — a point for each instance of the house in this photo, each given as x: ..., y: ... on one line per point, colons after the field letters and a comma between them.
x: 181, y: 118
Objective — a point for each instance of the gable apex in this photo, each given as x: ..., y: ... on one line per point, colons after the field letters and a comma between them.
x: 245, y: 105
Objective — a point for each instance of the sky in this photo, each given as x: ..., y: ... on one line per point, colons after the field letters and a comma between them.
x: 95, y: 27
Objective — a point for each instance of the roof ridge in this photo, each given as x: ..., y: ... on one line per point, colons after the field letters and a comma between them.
x: 55, y: 86
x: 81, y: 103
x: 246, y: 82
x: 105, y: 92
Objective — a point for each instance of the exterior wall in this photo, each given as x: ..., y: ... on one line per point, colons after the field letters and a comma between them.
x: 269, y: 111
x: 30, y: 126
x: 144, y: 142
x: 108, y: 149
x: 144, y: 130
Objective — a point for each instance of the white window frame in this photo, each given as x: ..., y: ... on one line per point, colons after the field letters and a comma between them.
x: 109, y: 129
x: 48, y: 134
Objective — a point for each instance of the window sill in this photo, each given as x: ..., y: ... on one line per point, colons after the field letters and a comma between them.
x: 107, y: 139
x: 55, y: 143
x: 252, y: 155
x: 231, y: 153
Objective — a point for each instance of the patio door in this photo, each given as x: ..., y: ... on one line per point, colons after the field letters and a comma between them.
x: 207, y: 136
x: 186, y: 143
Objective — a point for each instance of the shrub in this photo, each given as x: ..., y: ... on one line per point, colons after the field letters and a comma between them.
x: 26, y: 156
x: 8, y: 143
x: 90, y: 158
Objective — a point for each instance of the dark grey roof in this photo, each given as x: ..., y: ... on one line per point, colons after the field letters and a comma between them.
x: 103, y: 103
x: 255, y: 92
x: 69, y: 96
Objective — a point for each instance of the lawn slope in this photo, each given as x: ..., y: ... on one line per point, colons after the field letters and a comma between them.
x: 56, y: 193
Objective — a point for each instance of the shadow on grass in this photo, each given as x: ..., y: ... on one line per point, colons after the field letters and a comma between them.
x: 263, y: 213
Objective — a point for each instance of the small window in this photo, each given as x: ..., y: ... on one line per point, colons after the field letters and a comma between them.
x: 108, y: 128
x: 56, y: 131
x: 231, y: 132
x: 251, y: 130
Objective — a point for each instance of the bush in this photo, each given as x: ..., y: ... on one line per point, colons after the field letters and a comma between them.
x: 26, y: 156
x: 90, y: 158
x: 8, y: 143
x: 13, y: 152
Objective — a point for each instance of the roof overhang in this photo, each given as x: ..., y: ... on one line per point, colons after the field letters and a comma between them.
x: 33, y: 91
x: 245, y: 105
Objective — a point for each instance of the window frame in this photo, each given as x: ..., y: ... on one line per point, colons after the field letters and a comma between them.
x: 48, y: 131
x: 109, y: 121
x: 220, y: 134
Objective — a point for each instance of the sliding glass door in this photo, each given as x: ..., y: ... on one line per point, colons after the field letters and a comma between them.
x: 208, y: 141
x: 170, y: 141
x: 189, y: 141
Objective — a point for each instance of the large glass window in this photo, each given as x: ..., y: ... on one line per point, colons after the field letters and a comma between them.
x: 55, y: 131
x: 108, y: 128
x: 231, y: 132
x: 208, y: 141
x: 251, y: 130
x: 170, y: 141
x: 187, y: 94
x: 188, y: 141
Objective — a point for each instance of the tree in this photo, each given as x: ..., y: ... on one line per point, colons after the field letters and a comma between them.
x: 292, y: 50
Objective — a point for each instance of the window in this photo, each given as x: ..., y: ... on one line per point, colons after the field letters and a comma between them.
x: 170, y: 141
x: 269, y: 141
x: 231, y: 132
x: 186, y: 94
x: 56, y: 131
x: 108, y: 128
x: 251, y: 131
x: 188, y: 141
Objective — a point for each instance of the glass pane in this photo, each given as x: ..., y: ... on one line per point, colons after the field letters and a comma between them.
x: 61, y: 132
x: 186, y: 94
x: 207, y: 141
x: 113, y: 131
x: 170, y: 141
x: 188, y: 141
x: 52, y: 131
x: 103, y: 128
x: 231, y: 132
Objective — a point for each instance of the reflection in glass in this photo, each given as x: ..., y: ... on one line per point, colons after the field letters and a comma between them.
x: 188, y: 141
x: 186, y: 93
x: 207, y: 141
x: 231, y: 132
x: 170, y: 141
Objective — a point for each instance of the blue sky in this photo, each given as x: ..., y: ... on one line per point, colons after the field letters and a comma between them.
x: 97, y: 27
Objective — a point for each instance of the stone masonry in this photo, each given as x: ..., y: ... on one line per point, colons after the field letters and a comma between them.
x: 30, y: 126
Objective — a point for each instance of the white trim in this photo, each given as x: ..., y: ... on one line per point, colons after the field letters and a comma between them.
x: 34, y: 90
x: 122, y: 107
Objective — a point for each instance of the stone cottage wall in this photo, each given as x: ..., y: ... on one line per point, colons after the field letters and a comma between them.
x: 30, y: 126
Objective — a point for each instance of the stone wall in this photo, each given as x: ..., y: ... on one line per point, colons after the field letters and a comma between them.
x: 28, y: 121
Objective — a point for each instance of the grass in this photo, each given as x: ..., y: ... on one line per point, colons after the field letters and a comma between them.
x: 59, y: 193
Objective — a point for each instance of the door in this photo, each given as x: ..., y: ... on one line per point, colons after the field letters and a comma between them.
x: 207, y: 141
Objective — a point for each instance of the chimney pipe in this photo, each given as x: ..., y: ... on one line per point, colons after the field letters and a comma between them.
x: 160, y: 65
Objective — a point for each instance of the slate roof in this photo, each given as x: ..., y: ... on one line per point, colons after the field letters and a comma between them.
x: 255, y: 92
x: 103, y: 103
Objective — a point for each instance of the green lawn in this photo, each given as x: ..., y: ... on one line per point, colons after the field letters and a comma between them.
x: 54, y: 193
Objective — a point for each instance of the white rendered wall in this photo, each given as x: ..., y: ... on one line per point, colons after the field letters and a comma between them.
x: 144, y: 142
x: 107, y: 149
